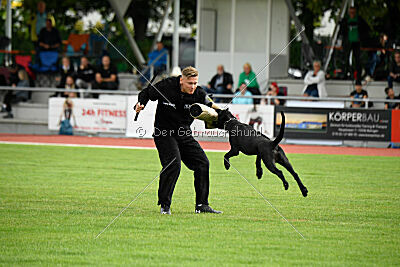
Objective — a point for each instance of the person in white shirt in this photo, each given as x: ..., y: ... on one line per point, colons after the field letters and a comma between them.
x: 315, y: 82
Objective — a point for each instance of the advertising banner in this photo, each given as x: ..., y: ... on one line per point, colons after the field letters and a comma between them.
x: 336, y: 124
x: 88, y: 115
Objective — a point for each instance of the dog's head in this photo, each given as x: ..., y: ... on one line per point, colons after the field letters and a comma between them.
x: 224, y: 115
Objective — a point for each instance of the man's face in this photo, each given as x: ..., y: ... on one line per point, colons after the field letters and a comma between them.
x: 358, y: 88
x: 84, y: 61
x: 220, y: 70
x: 316, y: 66
x: 189, y: 84
x: 105, y: 61
x: 352, y: 13
x: 49, y: 24
x: 41, y: 7
x: 397, y: 58
x: 390, y: 92
x: 65, y: 61
x: 69, y: 80
x: 160, y: 46
x: 246, y: 69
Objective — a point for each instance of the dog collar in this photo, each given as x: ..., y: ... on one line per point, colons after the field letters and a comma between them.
x: 225, y: 123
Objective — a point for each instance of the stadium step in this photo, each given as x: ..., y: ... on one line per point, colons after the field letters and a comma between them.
x: 31, y: 111
x: 23, y: 126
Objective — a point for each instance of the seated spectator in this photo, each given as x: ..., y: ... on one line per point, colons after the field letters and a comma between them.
x: 273, y: 90
x: 49, y: 37
x: 242, y: 91
x: 315, y: 82
x: 85, y: 74
x: 106, y: 76
x: 359, y: 93
x: 221, y: 83
x: 394, y: 71
x: 13, y: 97
x: 70, y: 84
x: 390, y: 95
x: 375, y: 57
x: 67, y: 69
x: 161, y: 64
x: 249, y: 78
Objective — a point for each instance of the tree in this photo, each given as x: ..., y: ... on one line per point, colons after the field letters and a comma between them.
x: 141, y: 11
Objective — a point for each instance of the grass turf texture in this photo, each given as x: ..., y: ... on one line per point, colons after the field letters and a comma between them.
x: 55, y: 200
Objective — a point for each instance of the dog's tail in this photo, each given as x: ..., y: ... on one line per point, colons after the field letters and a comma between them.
x: 281, y: 132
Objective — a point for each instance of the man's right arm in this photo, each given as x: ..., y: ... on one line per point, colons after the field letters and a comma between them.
x: 151, y: 92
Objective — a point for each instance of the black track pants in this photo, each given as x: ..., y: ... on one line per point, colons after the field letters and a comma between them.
x: 187, y: 150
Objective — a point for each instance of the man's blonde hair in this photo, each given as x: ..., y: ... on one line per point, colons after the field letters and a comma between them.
x: 190, y: 72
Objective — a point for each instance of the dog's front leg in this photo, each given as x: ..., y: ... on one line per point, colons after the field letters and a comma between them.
x: 259, y: 170
x: 231, y: 153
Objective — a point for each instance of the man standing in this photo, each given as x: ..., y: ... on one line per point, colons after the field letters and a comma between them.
x: 355, y: 32
x: 173, y: 137
x: 37, y: 22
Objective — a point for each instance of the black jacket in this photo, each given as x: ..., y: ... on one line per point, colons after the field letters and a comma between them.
x: 173, y: 105
x: 86, y: 74
x: 227, y: 79
x: 65, y: 73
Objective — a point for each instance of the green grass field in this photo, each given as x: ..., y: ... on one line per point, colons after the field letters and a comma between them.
x: 55, y: 200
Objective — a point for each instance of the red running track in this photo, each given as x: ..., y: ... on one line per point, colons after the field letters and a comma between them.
x: 211, y: 146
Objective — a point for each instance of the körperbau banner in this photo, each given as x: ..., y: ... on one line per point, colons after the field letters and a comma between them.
x: 338, y: 124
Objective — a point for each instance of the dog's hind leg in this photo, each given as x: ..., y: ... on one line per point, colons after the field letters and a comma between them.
x: 259, y: 170
x: 269, y: 162
x: 284, y: 161
x: 231, y: 153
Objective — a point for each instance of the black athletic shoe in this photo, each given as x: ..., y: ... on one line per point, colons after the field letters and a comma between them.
x: 165, y: 210
x: 200, y: 208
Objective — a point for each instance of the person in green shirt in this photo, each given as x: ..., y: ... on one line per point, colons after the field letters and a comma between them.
x: 248, y: 77
x: 354, y: 31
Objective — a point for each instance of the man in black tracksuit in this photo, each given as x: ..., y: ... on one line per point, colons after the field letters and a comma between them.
x: 173, y: 137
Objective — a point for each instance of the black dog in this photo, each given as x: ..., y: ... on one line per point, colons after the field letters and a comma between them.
x: 243, y: 138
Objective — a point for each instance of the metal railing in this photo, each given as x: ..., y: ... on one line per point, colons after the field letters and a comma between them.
x: 62, y: 90
x: 268, y: 98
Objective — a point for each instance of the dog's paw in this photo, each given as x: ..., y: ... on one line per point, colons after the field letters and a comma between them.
x: 227, y: 164
x: 286, y: 185
x: 304, y: 191
x: 259, y: 173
